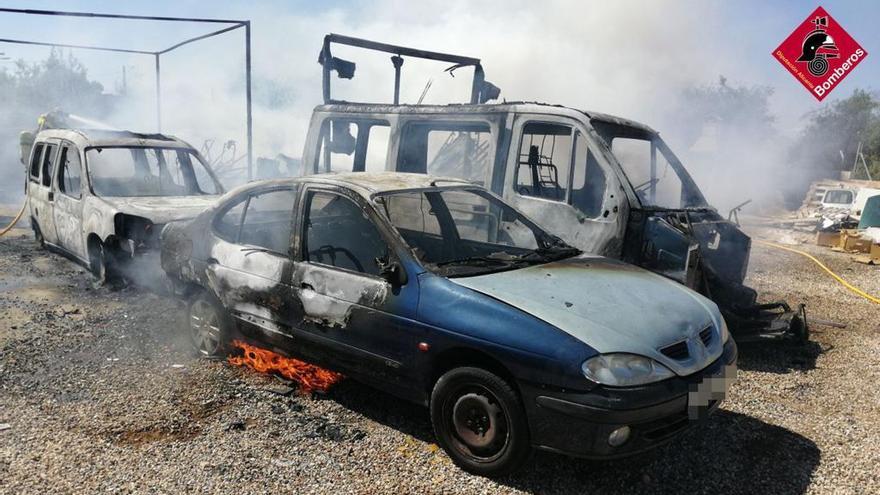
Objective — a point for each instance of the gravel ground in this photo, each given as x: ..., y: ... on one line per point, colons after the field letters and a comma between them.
x: 102, y: 395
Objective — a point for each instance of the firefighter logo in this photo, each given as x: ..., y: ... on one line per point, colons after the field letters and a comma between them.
x: 818, y: 48
x: 820, y: 53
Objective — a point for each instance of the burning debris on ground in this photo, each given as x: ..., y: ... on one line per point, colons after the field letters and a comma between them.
x: 308, y: 376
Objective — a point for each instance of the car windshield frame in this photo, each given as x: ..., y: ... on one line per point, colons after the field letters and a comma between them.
x: 194, y: 158
x: 689, y: 189
x: 549, y: 247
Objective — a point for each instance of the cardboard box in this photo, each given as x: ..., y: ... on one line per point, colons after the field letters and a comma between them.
x: 828, y: 239
x: 853, y: 243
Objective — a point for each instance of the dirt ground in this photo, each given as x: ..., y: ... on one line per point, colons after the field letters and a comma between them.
x: 101, y: 394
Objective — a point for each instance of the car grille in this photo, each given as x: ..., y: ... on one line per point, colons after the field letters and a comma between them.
x: 679, y: 350
x: 706, y: 336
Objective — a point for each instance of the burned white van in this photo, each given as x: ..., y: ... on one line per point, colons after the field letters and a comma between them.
x: 102, y: 197
x: 604, y: 184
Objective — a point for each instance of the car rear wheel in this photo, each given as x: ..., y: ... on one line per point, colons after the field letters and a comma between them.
x: 479, y: 421
x: 208, y: 326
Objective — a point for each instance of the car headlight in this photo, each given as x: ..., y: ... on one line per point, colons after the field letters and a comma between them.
x: 725, y: 333
x: 624, y: 370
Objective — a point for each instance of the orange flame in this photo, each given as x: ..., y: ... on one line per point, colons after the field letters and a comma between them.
x: 308, y: 376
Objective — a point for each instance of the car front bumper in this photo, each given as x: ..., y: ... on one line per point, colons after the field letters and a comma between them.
x: 579, y: 424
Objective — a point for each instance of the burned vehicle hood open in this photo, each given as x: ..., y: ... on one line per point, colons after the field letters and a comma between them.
x: 614, y: 306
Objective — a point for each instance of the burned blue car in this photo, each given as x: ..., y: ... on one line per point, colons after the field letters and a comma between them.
x: 438, y: 292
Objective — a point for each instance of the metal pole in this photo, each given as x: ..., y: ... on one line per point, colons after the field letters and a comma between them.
x: 397, y: 62
x: 477, y: 85
x: 250, y: 118
x: 158, y: 97
x: 325, y: 68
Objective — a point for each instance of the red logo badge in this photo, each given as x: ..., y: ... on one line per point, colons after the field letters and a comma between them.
x: 819, y: 53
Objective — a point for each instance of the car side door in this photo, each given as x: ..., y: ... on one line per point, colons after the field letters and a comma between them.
x: 40, y: 190
x: 557, y: 178
x: 249, y: 265
x: 68, y: 193
x: 365, y: 318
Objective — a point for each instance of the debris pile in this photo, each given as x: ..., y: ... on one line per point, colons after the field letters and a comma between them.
x: 308, y: 376
x: 843, y: 215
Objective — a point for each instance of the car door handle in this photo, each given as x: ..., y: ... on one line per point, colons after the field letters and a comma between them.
x: 306, y: 286
x: 213, y: 261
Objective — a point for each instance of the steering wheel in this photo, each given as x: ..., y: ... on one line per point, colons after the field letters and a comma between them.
x: 331, y: 251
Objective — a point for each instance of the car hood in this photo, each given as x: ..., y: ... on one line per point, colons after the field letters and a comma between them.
x: 163, y: 209
x: 612, y: 307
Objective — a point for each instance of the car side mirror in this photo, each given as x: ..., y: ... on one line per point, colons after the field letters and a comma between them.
x: 392, y: 271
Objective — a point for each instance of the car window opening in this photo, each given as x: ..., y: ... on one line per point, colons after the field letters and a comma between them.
x: 48, y: 164
x: 462, y: 150
x: 338, y: 233
x: 70, y: 173
x: 353, y: 146
x: 129, y: 171
x: 465, y: 232
x: 654, y: 172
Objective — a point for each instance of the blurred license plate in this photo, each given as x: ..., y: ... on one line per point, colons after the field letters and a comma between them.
x: 705, y: 396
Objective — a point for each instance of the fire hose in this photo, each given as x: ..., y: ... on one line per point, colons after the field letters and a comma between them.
x: 14, y: 220
x: 854, y: 289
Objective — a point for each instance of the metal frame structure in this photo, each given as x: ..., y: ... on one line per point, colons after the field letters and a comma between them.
x: 231, y: 25
x: 481, y: 90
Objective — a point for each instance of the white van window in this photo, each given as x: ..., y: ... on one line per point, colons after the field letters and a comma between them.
x: 544, y: 161
x: 454, y: 149
x: 588, y: 181
x: 49, y: 164
x: 35, y: 162
x: 70, y: 173
x: 353, y: 145
x: 147, y: 172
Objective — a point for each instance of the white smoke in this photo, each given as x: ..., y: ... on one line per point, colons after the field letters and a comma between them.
x: 625, y: 58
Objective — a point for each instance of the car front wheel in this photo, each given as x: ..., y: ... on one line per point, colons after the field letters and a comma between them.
x: 479, y: 421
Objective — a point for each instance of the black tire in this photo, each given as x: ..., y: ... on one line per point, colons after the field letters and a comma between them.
x: 38, y: 234
x: 208, y: 326
x: 98, y: 261
x: 479, y: 420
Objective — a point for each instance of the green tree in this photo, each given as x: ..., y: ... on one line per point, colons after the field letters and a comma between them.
x: 832, y: 135
x: 28, y: 90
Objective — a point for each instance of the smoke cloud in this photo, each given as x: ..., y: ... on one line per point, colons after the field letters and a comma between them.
x: 628, y: 59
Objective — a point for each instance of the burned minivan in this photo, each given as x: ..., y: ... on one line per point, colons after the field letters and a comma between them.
x: 101, y: 197
x: 439, y: 292
x: 604, y: 184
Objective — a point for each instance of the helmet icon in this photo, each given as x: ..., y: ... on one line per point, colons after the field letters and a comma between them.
x: 817, y: 47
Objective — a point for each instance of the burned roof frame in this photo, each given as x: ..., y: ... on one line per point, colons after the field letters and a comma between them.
x: 230, y: 25
x: 481, y: 89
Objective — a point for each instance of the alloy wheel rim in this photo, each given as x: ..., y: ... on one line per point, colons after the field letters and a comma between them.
x: 204, y: 326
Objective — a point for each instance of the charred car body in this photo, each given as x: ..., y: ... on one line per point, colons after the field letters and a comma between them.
x: 604, y: 184
x: 101, y: 197
x: 440, y: 293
